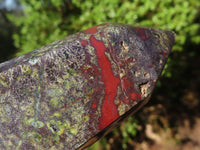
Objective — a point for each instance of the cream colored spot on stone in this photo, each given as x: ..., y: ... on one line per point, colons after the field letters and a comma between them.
x: 136, y: 73
x: 122, y: 108
x: 122, y: 73
x: 144, y: 89
x: 125, y: 47
x: 146, y: 75
x: 33, y: 61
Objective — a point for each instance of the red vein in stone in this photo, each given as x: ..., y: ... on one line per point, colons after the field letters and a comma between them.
x: 141, y: 32
x: 92, y: 30
x: 109, y: 110
x: 84, y: 42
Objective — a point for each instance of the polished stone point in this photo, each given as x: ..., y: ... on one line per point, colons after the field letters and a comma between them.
x: 68, y: 94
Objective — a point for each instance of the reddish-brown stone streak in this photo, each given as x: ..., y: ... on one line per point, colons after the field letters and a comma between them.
x: 135, y: 96
x: 141, y: 32
x: 84, y: 42
x: 164, y: 53
x: 127, y: 87
x: 108, y: 108
x: 94, y: 105
x: 125, y: 84
x: 92, y: 30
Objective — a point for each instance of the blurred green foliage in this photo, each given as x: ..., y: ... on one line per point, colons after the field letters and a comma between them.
x: 128, y: 131
x: 46, y: 21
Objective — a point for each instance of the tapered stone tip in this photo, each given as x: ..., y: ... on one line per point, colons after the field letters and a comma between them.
x: 171, y: 38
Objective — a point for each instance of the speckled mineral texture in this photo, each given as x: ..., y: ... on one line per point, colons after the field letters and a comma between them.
x: 66, y: 93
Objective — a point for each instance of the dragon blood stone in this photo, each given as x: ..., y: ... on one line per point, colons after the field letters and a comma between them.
x: 68, y: 94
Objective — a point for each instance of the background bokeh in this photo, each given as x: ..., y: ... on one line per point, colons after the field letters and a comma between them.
x: 171, y: 120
